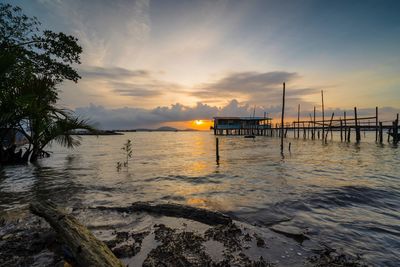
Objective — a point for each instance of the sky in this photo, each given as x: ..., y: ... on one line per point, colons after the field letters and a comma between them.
x: 151, y: 63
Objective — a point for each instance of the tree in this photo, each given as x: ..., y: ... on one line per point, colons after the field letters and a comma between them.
x: 37, y: 52
x: 32, y: 63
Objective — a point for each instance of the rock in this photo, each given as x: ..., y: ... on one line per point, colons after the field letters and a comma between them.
x: 290, y: 231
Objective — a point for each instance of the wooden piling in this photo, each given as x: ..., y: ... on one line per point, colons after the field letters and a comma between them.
x: 283, y: 115
x: 217, y: 150
x: 348, y: 134
x: 380, y: 133
x: 313, y: 134
x: 298, y: 121
x: 396, y: 130
x: 329, y: 128
x: 376, y: 124
x: 323, y: 114
x: 341, y: 130
x: 345, y: 126
x: 358, y: 136
x: 294, y: 129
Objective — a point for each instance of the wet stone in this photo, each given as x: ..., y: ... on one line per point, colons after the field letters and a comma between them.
x: 260, y: 242
x: 330, y: 257
x: 227, y: 235
x: 126, y: 244
x: 28, y: 244
x: 177, y: 249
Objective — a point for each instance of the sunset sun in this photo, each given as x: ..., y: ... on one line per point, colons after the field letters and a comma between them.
x: 198, y: 122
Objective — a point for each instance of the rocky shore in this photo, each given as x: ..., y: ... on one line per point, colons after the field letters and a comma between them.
x: 168, y: 235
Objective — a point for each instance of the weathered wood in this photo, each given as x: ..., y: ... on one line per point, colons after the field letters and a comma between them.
x: 175, y: 210
x: 217, y: 150
x: 329, y: 128
x: 341, y: 130
x: 283, y: 116
x: 376, y: 124
x: 323, y: 114
x: 380, y: 133
x: 298, y: 121
x: 396, y: 130
x: 358, y: 136
x: 84, y: 247
x: 320, y: 122
x: 345, y: 126
x: 348, y: 134
x: 313, y: 134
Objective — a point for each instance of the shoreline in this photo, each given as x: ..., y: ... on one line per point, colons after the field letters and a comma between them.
x: 148, y: 239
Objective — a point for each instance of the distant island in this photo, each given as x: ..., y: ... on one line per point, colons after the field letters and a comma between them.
x: 160, y: 129
x: 120, y: 132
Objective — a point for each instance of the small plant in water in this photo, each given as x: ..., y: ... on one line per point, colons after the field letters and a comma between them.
x: 127, y: 148
x: 119, y: 166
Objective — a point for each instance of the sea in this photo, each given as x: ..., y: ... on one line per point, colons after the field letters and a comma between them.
x: 346, y: 195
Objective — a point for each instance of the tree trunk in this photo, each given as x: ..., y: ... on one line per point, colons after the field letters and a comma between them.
x: 84, y: 247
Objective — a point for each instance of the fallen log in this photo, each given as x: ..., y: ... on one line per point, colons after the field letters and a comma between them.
x: 175, y: 210
x: 84, y: 247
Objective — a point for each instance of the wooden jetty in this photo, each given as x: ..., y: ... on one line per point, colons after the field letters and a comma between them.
x: 242, y: 125
x: 311, y: 128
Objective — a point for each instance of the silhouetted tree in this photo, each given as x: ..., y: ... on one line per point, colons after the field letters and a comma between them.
x: 32, y: 63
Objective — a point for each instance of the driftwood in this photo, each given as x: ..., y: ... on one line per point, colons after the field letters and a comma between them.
x: 84, y: 248
x: 176, y: 210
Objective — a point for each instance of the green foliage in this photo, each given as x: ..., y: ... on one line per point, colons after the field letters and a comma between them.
x: 128, y: 149
x: 36, y: 52
x: 32, y: 63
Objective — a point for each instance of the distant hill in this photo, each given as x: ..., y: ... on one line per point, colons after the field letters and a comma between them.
x: 166, y: 129
x: 160, y: 129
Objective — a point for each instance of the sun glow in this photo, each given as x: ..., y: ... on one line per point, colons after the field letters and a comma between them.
x: 198, y: 122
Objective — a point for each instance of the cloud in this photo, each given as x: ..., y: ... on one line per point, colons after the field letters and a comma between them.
x: 109, y: 32
x: 262, y: 89
x: 113, y: 73
x: 130, y: 118
x: 125, y: 82
x: 246, y: 83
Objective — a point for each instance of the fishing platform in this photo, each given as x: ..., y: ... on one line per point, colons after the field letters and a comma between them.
x: 242, y: 125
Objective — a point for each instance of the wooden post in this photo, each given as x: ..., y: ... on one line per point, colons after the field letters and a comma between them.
x: 330, y: 125
x: 376, y: 124
x: 283, y: 116
x: 396, y: 130
x: 294, y: 129
x: 313, y: 134
x: 323, y: 114
x: 217, y: 149
x: 298, y: 121
x: 358, y: 136
x: 348, y: 134
x: 380, y: 133
x: 341, y: 130
x: 345, y: 126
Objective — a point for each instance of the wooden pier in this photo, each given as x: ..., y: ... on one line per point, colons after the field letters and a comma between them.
x: 242, y: 125
x: 311, y: 128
